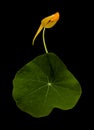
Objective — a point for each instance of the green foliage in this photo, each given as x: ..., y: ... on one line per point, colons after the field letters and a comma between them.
x: 43, y: 84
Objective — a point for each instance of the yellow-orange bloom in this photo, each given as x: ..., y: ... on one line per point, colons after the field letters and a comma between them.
x: 47, y: 22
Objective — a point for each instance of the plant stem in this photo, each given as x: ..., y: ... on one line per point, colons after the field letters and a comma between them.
x: 45, y: 47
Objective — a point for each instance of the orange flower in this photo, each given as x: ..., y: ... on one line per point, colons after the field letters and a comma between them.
x: 47, y: 22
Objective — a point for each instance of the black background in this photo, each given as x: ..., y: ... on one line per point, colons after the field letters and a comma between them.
x: 69, y: 39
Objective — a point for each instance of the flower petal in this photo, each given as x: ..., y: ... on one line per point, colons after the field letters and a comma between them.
x: 50, y: 21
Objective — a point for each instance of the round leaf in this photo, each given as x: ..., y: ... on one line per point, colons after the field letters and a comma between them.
x: 43, y: 84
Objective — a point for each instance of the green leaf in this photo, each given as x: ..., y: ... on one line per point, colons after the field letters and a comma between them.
x: 43, y: 84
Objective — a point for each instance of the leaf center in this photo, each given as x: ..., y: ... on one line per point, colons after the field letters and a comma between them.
x: 49, y: 84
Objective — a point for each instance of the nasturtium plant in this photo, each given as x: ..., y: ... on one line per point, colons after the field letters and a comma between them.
x: 45, y: 82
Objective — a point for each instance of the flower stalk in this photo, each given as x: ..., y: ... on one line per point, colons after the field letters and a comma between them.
x: 44, y: 43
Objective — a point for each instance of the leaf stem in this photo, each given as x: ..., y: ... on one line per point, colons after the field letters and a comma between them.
x: 44, y: 43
